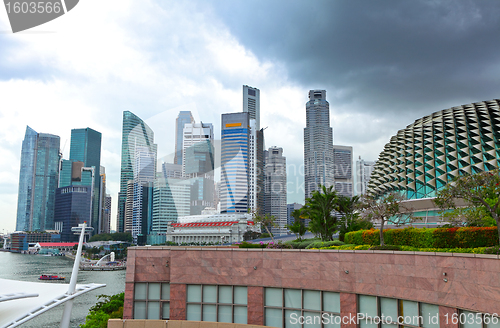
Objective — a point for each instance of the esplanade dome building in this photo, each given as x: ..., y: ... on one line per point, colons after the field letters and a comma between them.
x: 422, y: 158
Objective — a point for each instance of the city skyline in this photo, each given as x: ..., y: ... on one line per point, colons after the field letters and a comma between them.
x: 381, y: 72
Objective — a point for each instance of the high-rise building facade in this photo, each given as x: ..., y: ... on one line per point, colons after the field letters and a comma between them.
x: 234, y: 162
x: 364, y: 170
x: 86, y: 147
x: 38, y: 181
x: 184, y: 118
x: 142, y: 195
x: 171, y: 200
x: 251, y: 104
x: 73, y: 206
x: 318, y: 143
x: 198, y: 165
x: 135, y: 133
x: 275, y: 188
x: 342, y: 170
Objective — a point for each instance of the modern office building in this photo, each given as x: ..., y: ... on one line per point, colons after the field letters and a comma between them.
x: 38, y: 181
x: 135, y: 133
x: 73, y: 206
x: 251, y: 104
x: 289, y: 209
x: 318, y: 143
x: 142, y: 195
x: 198, y: 164
x: 104, y: 221
x: 85, y: 147
x: 429, y: 153
x: 364, y: 170
x: 256, y: 160
x: 342, y: 170
x: 184, y: 118
x: 171, y: 170
x: 275, y: 188
x: 234, y: 162
x: 107, y: 214
x: 171, y: 200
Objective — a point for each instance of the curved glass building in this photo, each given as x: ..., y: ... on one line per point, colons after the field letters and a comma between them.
x: 426, y: 155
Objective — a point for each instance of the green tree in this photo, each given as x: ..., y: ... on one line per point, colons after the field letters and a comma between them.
x: 109, y: 307
x: 319, y: 210
x: 385, y: 209
x: 265, y: 221
x: 480, y: 190
x: 297, y: 227
x: 350, y: 220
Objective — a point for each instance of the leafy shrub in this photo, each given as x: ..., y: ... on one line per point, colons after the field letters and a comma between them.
x: 109, y: 307
x: 465, y: 237
x: 319, y: 244
x: 386, y: 248
x: 477, y: 236
x: 302, y: 244
x: 279, y: 245
x: 249, y: 245
x: 492, y: 250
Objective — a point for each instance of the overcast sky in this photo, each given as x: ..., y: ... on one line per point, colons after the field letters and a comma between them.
x: 383, y: 64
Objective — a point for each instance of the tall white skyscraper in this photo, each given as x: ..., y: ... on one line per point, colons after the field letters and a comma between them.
x: 251, y: 104
x: 275, y: 188
x: 364, y: 170
x: 318, y: 143
x: 342, y: 170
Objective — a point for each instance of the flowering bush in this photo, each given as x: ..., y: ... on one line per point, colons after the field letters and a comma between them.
x: 278, y: 245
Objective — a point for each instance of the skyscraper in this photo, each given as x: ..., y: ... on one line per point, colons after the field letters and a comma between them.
x: 342, y: 172
x: 184, y: 118
x: 318, y: 143
x: 135, y: 133
x: 234, y: 162
x: 38, y: 180
x: 142, y: 198
x: 275, y: 188
x: 364, y: 170
x: 251, y: 104
x: 198, y: 164
x: 86, y: 147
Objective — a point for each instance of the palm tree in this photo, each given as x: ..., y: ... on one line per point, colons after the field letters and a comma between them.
x: 319, y: 210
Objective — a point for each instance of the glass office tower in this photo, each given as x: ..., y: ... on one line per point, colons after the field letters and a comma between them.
x: 38, y: 180
x: 134, y: 133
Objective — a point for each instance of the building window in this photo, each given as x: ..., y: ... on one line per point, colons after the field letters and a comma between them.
x: 382, y: 312
x: 294, y: 308
x: 217, y: 303
x: 151, y: 300
x: 469, y: 319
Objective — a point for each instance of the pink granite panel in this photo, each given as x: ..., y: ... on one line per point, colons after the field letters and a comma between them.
x: 445, y: 315
x: 255, y: 303
x: 348, y: 309
x: 177, y: 301
x: 128, y: 303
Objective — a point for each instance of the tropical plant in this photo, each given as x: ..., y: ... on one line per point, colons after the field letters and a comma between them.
x: 350, y: 220
x: 478, y: 190
x: 319, y: 210
x: 298, y: 227
x: 385, y: 209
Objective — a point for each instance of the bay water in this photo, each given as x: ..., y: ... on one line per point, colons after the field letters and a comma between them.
x: 29, y: 267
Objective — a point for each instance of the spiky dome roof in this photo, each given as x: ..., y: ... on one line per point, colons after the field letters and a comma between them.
x: 426, y: 155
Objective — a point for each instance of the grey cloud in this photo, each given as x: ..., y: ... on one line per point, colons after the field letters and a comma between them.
x: 390, y: 55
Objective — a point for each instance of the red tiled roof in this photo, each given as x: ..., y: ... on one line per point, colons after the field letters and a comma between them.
x: 207, y: 224
x: 58, y: 244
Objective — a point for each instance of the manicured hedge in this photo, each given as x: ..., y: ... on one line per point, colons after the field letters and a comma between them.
x: 466, y: 237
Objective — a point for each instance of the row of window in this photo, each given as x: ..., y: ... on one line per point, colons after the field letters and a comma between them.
x: 298, y: 308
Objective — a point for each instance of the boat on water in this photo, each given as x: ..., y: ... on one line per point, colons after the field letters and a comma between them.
x: 50, y: 277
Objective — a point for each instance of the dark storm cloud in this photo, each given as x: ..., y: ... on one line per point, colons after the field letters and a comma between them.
x: 385, y: 56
